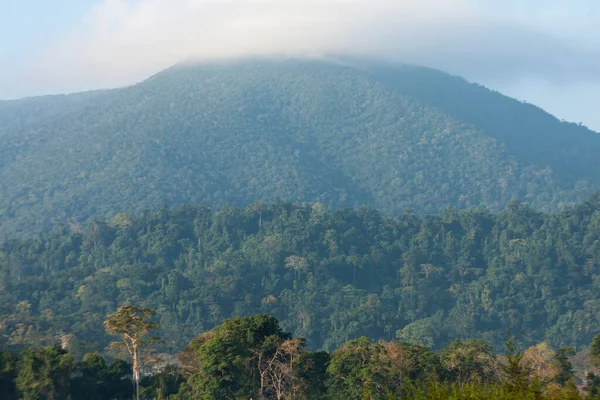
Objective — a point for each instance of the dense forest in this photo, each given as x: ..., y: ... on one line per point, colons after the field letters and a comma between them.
x: 328, y: 276
x: 253, y: 358
x: 273, y: 228
x: 340, y: 131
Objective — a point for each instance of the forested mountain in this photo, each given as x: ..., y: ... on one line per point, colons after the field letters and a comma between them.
x: 341, y: 131
x: 328, y: 276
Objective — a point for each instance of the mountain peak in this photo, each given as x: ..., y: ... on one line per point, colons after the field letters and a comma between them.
x: 340, y: 130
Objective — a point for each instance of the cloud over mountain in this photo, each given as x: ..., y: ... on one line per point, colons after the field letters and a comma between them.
x: 127, y: 40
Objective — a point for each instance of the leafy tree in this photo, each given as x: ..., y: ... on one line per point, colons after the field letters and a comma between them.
x: 97, y: 380
x: 517, y: 368
x: 8, y: 374
x: 540, y: 358
x: 163, y: 384
x: 361, y: 370
x: 44, y: 373
x: 471, y: 361
x: 595, y: 352
x: 563, y: 365
x: 132, y: 324
x: 237, y: 358
x: 592, y: 386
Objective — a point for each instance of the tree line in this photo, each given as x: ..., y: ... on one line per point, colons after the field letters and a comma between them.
x: 252, y: 357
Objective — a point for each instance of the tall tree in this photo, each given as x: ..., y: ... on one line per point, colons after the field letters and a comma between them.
x: 8, y: 373
x: 564, y: 368
x: 132, y: 324
x: 517, y: 368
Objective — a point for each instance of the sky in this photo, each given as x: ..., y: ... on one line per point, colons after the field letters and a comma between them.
x: 545, y: 52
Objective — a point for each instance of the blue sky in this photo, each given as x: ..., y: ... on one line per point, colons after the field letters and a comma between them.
x: 26, y: 26
x: 544, y: 52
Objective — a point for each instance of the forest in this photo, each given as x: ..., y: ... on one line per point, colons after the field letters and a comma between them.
x: 329, y: 276
x: 343, y: 132
x: 331, y: 228
x: 251, y: 357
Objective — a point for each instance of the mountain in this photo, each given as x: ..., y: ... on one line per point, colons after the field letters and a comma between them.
x: 341, y: 131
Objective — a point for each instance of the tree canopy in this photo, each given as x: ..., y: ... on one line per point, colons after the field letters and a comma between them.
x: 253, y: 357
x: 341, y: 132
x: 328, y: 276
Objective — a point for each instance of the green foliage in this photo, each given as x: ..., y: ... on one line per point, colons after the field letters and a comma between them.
x: 163, y: 384
x: 252, y: 357
x: 329, y: 277
x: 365, y: 370
x: 342, y: 132
x: 471, y: 361
x: 516, y: 368
x: 592, y: 386
x: 353, y: 370
x: 563, y: 365
x: 478, y: 391
x: 50, y: 373
x: 8, y: 373
x: 226, y: 357
x: 97, y: 380
x: 44, y: 373
x: 132, y: 324
x: 595, y: 352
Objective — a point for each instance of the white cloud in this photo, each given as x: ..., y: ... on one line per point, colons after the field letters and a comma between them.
x: 125, y: 40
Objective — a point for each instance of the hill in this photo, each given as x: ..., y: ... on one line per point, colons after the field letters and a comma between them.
x: 343, y: 132
x: 328, y: 276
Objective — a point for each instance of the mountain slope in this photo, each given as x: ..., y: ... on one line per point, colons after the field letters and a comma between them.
x: 342, y: 132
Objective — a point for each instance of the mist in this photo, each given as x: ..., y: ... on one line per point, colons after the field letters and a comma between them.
x: 120, y: 42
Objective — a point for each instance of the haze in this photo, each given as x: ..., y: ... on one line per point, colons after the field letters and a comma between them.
x: 543, y: 52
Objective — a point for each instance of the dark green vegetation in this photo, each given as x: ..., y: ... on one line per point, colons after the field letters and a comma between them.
x: 329, y: 277
x: 253, y: 358
x: 344, y: 133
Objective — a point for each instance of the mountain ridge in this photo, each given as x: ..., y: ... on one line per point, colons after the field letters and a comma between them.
x: 341, y: 132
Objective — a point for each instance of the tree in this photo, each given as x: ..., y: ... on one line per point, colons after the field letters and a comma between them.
x: 224, y: 362
x: 89, y: 383
x: 132, y: 324
x: 595, y: 353
x: 8, y: 373
x: 44, y: 373
x: 564, y: 368
x: 592, y: 386
x: 356, y: 371
x: 163, y: 384
x: 540, y: 359
x: 296, y: 264
x: 249, y: 357
x: 516, y: 368
x: 467, y: 362
x: 97, y: 380
x: 276, y: 362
